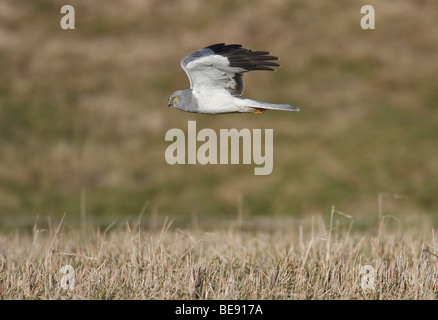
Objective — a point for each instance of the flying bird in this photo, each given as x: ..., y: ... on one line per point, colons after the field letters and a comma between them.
x: 216, y: 80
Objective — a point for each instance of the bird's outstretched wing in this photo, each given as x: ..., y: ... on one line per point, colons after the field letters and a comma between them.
x: 223, y: 66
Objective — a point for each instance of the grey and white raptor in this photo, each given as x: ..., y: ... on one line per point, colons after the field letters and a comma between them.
x: 216, y: 80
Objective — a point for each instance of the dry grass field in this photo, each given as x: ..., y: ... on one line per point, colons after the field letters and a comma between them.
x: 239, y: 259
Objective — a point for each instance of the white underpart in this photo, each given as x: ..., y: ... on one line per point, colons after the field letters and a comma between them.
x: 220, y: 101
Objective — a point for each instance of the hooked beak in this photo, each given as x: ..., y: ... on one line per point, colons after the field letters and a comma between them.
x: 169, y: 103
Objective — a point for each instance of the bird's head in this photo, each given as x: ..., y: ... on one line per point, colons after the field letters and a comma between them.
x: 182, y: 99
x: 176, y: 99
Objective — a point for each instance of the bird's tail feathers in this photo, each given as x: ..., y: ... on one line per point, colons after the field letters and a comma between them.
x: 270, y: 106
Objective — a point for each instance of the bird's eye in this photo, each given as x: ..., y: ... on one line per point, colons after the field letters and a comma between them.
x: 176, y: 98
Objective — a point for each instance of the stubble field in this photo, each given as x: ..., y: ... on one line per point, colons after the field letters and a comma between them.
x: 149, y: 258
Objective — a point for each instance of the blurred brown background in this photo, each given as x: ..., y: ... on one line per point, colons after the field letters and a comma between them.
x: 86, y: 109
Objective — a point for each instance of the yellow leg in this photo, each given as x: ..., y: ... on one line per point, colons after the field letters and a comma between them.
x: 258, y: 111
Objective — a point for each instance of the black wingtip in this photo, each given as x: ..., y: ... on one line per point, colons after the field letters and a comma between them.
x: 215, y: 46
x: 222, y: 47
x: 245, y: 58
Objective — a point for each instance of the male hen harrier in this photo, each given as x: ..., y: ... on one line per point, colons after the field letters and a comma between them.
x: 216, y: 80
